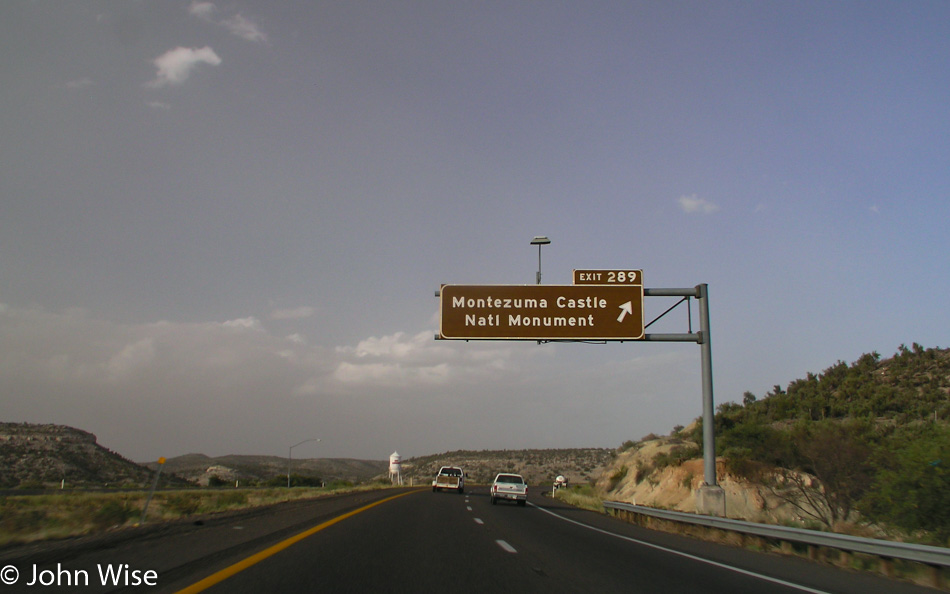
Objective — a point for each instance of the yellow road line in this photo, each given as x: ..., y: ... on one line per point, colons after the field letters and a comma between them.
x: 240, y: 566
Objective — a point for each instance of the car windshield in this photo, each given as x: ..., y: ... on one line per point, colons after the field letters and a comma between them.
x: 452, y: 472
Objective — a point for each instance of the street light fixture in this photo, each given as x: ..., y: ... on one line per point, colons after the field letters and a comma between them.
x: 539, y: 241
x: 290, y: 452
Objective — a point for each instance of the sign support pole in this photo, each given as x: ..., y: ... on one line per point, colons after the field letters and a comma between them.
x: 710, y: 498
x: 709, y: 435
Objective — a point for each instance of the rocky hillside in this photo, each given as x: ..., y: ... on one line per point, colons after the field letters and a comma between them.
x: 46, y: 455
x: 579, y: 465
x: 857, y: 446
x: 201, y: 469
x: 663, y: 472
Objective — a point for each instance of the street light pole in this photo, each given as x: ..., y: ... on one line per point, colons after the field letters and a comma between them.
x: 290, y: 452
x: 539, y: 241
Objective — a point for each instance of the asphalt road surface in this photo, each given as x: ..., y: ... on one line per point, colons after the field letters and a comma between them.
x: 418, y: 541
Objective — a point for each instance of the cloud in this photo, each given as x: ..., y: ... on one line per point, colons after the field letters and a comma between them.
x: 390, y: 374
x: 297, y: 313
x: 175, y: 66
x: 394, y: 346
x: 694, y: 204
x: 238, y: 24
x: 249, y: 323
x: 244, y: 28
x: 133, y: 356
x: 158, y: 105
x: 406, y: 360
x: 202, y: 10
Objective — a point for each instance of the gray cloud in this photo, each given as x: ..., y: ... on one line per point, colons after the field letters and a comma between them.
x: 175, y: 65
x: 244, y: 28
x: 694, y: 204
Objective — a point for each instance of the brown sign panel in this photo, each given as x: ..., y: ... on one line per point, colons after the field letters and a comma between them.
x: 608, y: 277
x: 541, y: 312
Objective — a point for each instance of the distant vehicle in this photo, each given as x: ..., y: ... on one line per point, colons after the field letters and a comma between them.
x: 560, y: 482
x: 449, y: 477
x: 510, y: 487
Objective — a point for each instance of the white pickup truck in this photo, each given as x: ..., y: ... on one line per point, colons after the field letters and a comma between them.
x: 449, y: 477
x: 511, y: 487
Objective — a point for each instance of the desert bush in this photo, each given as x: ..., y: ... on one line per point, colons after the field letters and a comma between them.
x: 643, y: 471
x: 17, y: 521
x: 688, y: 481
x: 675, y: 456
x: 111, y: 513
x: 230, y: 499
x: 182, y: 504
x: 616, y: 477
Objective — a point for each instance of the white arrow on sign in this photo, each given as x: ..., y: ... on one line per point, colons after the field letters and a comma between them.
x: 626, y: 308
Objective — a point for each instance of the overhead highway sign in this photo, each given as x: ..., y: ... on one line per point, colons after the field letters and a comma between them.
x: 541, y: 312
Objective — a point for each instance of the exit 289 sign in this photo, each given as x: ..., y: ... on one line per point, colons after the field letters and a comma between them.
x: 608, y: 277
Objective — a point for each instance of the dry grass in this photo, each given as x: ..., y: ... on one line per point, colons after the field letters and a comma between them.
x: 582, y: 496
x: 30, y: 518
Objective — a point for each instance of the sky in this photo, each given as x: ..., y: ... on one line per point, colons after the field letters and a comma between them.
x: 223, y: 224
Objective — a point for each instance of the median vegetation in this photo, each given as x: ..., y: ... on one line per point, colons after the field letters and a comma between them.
x: 28, y: 518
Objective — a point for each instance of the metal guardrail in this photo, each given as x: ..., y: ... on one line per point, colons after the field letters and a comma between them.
x: 925, y: 554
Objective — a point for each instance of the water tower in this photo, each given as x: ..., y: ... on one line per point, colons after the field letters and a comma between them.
x: 395, y: 468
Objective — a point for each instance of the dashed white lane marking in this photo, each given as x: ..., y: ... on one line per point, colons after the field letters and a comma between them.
x: 468, y: 507
x: 479, y: 521
x: 507, y: 547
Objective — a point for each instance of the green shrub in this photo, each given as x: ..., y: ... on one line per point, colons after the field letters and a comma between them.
x: 22, y: 521
x: 230, y: 498
x: 616, y: 477
x: 182, y: 504
x: 688, y: 481
x: 643, y: 471
x: 675, y: 456
x: 216, y: 481
x: 111, y: 513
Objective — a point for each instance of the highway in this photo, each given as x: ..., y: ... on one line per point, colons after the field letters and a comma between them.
x: 418, y: 541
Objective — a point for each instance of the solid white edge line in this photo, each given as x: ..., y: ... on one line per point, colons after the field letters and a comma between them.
x: 507, y: 547
x: 686, y: 555
x: 479, y: 521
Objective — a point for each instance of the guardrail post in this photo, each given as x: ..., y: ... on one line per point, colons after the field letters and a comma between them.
x: 844, y: 559
x: 936, y: 576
